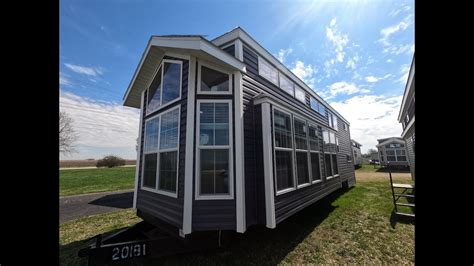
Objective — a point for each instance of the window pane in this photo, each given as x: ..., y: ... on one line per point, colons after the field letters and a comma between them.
x: 400, y: 152
x: 322, y: 109
x: 334, y: 121
x: 286, y: 84
x: 327, y: 164
x: 149, y: 172
x: 221, y: 112
x: 282, y: 127
x: 151, y: 135
x: 300, y: 94
x: 300, y: 135
x: 214, y: 171
x: 401, y: 158
x: 171, y: 81
x: 169, y: 130
x: 313, y: 139
x: 154, y: 93
x: 222, y: 171
x: 267, y: 71
x: 302, y: 168
x: 206, y: 124
x: 390, y: 152
x: 334, y: 164
x: 315, y: 166
x: 391, y: 158
x: 284, y: 172
x: 314, y: 104
x: 212, y: 80
x: 214, y: 124
x: 326, y: 140
x: 168, y: 171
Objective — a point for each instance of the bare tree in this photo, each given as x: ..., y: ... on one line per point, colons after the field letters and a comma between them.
x: 66, y: 133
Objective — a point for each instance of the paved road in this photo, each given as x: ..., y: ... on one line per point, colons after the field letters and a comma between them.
x: 73, y: 207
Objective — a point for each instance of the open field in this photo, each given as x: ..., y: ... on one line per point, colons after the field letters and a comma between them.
x: 81, y: 181
x: 351, y: 227
x: 86, y: 163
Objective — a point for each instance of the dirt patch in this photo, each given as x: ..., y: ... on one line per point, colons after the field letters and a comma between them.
x: 380, y: 177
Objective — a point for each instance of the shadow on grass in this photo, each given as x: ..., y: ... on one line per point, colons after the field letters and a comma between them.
x: 395, y: 218
x: 394, y: 170
x: 119, y: 200
x: 259, y: 245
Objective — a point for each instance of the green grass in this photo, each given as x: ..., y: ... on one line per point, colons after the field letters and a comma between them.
x: 352, y: 227
x: 368, y: 168
x: 81, y: 181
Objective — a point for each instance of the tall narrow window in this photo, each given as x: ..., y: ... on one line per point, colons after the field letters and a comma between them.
x: 214, y: 150
x: 314, y: 104
x: 169, y: 151
x: 166, y: 85
x: 283, y: 150
x: 314, y: 153
x: 213, y: 81
x: 160, y: 153
x: 150, y: 153
x: 301, y: 147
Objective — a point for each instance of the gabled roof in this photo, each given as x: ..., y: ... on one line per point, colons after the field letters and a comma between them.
x: 238, y: 32
x: 385, y: 141
x: 356, y: 142
x: 157, y: 47
x: 409, y: 87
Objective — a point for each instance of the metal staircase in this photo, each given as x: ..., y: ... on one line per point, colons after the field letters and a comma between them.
x: 407, y: 191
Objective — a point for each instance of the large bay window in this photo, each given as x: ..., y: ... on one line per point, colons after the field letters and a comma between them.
x: 160, y: 153
x: 165, y: 87
x: 214, y: 150
x: 282, y: 131
x: 301, y: 149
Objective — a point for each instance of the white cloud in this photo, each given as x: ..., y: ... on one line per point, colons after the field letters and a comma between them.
x: 400, y: 49
x: 343, y: 87
x: 373, y: 79
x: 305, y: 72
x: 389, y: 61
x: 338, y: 40
x: 64, y: 80
x: 371, y: 117
x: 404, y: 71
x: 395, y: 12
x: 388, y: 31
x: 283, y: 53
x: 90, y: 71
x: 351, y: 64
x: 102, y: 127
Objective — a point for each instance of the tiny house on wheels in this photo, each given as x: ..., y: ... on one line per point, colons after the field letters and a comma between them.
x: 357, y: 153
x: 229, y: 137
x: 393, y: 151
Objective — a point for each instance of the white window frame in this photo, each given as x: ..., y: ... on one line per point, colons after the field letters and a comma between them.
x: 319, y: 156
x: 259, y: 59
x: 280, y: 76
x: 330, y: 155
x: 308, y: 159
x: 216, y: 68
x: 161, y: 65
x: 158, y: 152
x: 286, y: 190
x: 197, y: 186
x: 295, y: 88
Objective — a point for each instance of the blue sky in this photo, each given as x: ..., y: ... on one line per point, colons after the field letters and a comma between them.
x: 355, y: 54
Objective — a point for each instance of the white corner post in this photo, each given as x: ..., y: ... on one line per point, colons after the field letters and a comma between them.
x: 239, y: 154
x: 267, y: 166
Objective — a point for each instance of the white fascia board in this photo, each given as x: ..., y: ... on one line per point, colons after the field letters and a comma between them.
x: 408, y: 89
x: 408, y: 127
x: 391, y: 140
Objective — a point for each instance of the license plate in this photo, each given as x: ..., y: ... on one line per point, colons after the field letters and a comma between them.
x: 128, y: 251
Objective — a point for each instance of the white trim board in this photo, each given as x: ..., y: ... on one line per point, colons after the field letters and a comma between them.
x: 138, y: 165
x: 268, y: 167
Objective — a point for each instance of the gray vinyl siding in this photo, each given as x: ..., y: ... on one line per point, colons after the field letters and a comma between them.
x: 346, y: 169
x: 289, y: 203
x: 166, y: 208
x: 410, y: 142
x: 214, y: 214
